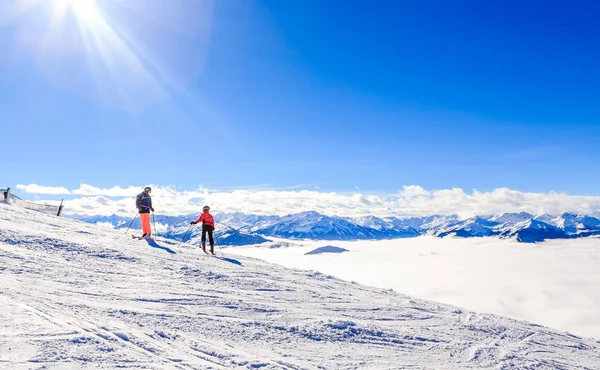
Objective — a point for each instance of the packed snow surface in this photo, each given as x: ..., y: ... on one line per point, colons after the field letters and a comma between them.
x: 75, y: 294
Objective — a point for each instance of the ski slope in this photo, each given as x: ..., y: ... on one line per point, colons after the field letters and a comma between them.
x: 74, y: 294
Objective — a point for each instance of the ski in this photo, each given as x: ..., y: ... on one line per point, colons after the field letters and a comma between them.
x: 140, y: 237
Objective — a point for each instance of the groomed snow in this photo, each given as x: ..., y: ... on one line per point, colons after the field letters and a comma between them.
x: 75, y: 294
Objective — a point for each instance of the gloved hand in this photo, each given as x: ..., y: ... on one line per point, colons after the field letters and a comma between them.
x: 193, y: 223
x: 152, y: 209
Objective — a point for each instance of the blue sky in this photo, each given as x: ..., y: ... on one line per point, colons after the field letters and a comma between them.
x: 327, y: 95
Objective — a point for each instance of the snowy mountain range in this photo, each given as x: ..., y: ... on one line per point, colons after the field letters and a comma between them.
x: 76, y: 295
x: 244, y: 229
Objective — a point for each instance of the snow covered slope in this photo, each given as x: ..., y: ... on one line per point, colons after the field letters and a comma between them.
x: 313, y: 225
x: 533, y: 231
x: 74, y: 294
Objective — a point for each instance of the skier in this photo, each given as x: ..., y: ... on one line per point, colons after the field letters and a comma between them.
x: 208, y: 226
x: 143, y: 203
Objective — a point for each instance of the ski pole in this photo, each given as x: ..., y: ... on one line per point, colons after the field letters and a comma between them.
x: 154, y: 222
x: 219, y: 245
x: 184, y: 235
x: 131, y: 223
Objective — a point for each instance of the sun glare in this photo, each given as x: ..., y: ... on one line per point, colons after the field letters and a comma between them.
x: 84, y: 10
x: 131, y: 53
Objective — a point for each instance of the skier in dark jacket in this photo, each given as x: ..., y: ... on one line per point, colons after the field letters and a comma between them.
x: 143, y: 203
x: 208, y: 226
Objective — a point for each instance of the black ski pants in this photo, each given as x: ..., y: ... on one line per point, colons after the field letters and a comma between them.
x: 208, y: 229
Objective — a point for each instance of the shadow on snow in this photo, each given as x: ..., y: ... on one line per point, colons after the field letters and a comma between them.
x: 230, y: 260
x: 154, y: 244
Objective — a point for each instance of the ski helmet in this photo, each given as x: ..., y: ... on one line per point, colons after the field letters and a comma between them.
x: 205, y: 208
x: 147, y: 189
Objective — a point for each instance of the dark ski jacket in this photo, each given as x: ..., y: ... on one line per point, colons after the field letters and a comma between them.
x: 143, y: 202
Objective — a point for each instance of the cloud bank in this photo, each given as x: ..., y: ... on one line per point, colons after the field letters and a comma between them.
x: 412, y: 200
x: 46, y: 190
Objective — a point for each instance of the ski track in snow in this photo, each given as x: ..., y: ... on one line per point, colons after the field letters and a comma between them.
x: 74, y: 294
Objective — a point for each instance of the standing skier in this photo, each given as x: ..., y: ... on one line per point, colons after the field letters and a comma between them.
x: 208, y: 226
x: 143, y: 203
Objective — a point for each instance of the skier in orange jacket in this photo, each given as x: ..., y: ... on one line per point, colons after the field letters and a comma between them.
x: 208, y: 226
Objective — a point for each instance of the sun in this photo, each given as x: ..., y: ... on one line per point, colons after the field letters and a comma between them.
x: 85, y: 11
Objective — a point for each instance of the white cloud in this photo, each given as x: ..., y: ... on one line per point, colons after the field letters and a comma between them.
x: 115, y: 191
x: 415, y: 191
x: 411, y: 200
x: 48, y: 190
x: 456, y: 201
